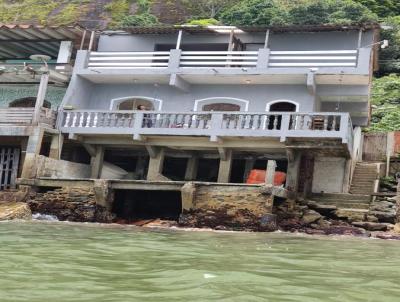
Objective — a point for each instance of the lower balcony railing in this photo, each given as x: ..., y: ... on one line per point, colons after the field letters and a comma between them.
x: 21, y: 116
x: 213, y: 124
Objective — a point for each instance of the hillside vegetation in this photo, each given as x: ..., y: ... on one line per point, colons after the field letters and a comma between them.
x: 121, y: 13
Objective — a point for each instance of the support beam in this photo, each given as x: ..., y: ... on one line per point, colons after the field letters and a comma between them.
x: 97, y: 162
x: 140, y: 167
x: 156, y: 166
x: 32, y: 151
x: 65, y: 52
x: 179, y: 83
x: 292, y: 177
x: 90, y: 149
x: 152, y: 151
x: 230, y: 43
x: 191, y: 168
x: 270, y: 173
x: 311, y: 84
x: 57, y: 141
x: 44, y: 80
x: 179, y: 40
x: 225, y: 166
x: 359, y: 38
x: 222, y: 153
x: 266, y: 39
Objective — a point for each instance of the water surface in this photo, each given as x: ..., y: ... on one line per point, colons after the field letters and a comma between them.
x: 77, y: 262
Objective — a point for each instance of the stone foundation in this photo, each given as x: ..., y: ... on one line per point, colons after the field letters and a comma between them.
x: 228, y: 207
x: 72, y: 204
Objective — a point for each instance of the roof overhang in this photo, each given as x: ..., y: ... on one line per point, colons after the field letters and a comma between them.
x: 194, y: 29
x: 21, y: 41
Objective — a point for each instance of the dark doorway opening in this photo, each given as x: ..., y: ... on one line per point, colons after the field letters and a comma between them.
x: 279, y: 107
x: 221, y: 107
x: 174, y: 168
x: 134, y: 205
x: 208, y: 169
x: 237, y: 170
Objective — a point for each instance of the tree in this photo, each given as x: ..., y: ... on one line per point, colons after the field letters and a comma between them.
x: 331, y: 12
x: 383, y: 8
x: 207, y: 9
x: 144, y: 19
x: 255, y: 12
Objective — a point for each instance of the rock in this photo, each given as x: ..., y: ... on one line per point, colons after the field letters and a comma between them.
x: 382, y: 206
x: 350, y: 215
x: 370, y: 226
x: 15, y: 210
x: 389, y: 217
x: 372, y: 218
x: 310, y: 216
x: 396, y: 228
x: 387, y: 236
x: 268, y: 223
x: 346, y: 230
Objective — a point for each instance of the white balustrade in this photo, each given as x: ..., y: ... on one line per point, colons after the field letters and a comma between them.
x: 219, y: 58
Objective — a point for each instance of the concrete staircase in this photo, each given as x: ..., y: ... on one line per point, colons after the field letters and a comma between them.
x: 343, y: 200
x: 364, y: 179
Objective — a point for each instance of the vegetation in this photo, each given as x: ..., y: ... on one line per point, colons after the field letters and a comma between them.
x: 203, y: 22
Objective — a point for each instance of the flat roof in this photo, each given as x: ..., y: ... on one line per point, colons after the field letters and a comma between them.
x: 193, y: 29
x: 21, y: 41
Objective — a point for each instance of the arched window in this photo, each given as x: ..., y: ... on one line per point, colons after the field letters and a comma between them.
x: 132, y: 103
x: 282, y: 106
x: 221, y: 104
x: 27, y: 102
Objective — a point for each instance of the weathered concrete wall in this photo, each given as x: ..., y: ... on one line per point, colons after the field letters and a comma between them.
x: 228, y: 207
x: 328, y: 174
x: 48, y: 167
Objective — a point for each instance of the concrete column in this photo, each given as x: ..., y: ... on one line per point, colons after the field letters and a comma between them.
x: 32, y: 150
x: 248, y: 166
x: 270, y: 174
x: 191, y: 168
x: 44, y: 80
x: 156, y: 164
x: 292, y: 177
x: 224, y: 172
x: 56, y: 146
x: 97, y: 162
x: 347, y: 176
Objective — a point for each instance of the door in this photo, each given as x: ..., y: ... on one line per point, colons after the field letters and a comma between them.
x: 9, y: 160
x: 279, y: 107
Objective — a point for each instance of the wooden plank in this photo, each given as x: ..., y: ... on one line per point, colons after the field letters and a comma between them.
x: 289, y: 58
x: 218, y: 58
x: 219, y: 63
x: 133, y: 53
x: 219, y: 52
x: 127, y: 64
x: 128, y: 58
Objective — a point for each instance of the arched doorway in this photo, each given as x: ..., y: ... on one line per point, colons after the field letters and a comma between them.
x: 280, y: 106
x: 221, y: 104
x: 27, y: 102
x: 133, y: 104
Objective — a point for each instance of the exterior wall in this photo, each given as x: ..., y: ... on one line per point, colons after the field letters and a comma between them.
x: 328, y: 174
x: 173, y: 99
x: 48, y: 167
x: 11, y: 92
x: 278, y: 41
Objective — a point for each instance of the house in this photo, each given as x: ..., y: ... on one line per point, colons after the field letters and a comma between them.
x: 212, y: 103
x: 35, y: 67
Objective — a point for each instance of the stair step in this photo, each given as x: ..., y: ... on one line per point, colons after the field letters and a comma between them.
x: 353, y: 205
x: 341, y: 196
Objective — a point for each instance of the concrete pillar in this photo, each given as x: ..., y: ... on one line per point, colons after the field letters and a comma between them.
x: 97, y: 163
x: 248, y: 166
x: 56, y: 146
x: 156, y: 164
x: 224, y: 171
x: 270, y: 174
x: 44, y: 80
x: 32, y: 150
x: 191, y: 168
x: 292, y: 177
x: 347, y: 176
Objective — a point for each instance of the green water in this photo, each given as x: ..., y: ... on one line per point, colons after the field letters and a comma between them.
x: 76, y: 262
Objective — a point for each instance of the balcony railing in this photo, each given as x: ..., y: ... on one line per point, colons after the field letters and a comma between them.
x: 25, y: 116
x: 223, y: 59
x: 213, y: 124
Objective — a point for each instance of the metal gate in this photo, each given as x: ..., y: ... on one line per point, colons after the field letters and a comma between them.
x: 9, y: 160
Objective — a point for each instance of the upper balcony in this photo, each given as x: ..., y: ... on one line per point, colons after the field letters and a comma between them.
x: 228, y: 67
x: 25, y: 116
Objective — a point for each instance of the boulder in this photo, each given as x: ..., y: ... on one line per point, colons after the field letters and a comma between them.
x: 384, y: 216
x: 350, y: 214
x: 310, y: 216
x: 14, y: 210
x: 370, y: 226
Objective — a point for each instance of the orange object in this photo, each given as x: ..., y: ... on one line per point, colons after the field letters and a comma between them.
x: 258, y: 176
